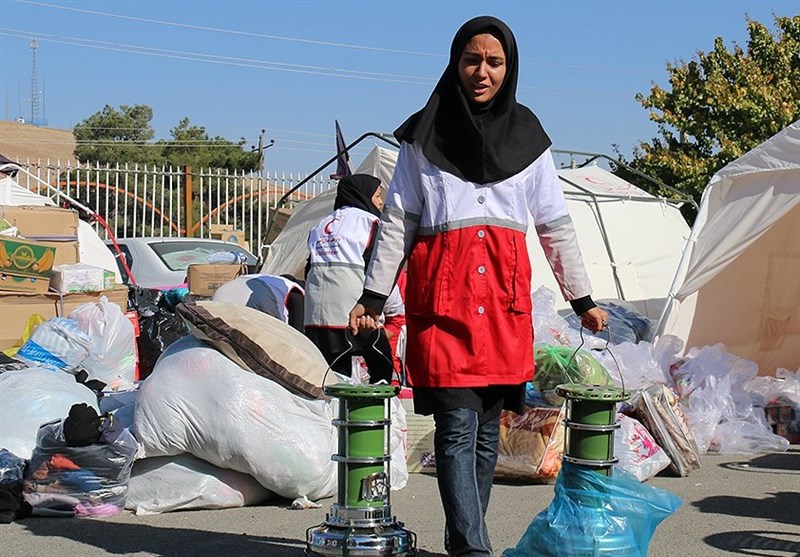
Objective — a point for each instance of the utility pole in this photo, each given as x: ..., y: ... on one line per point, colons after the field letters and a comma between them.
x: 261, y: 148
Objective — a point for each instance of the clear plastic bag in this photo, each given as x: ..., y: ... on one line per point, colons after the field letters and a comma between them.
x: 625, y: 324
x: 783, y: 389
x: 200, y: 402
x: 562, y: 364
x: 58, y: 343
x: 531, y: 445
x: 31, y: 397
x: 593, y: 515
x: 657, y: 409
x: 112, y: 351
x: 88, y: 481
x: 12, y: 471
x: 743, y: 437
x: 551, y: 328
x: 635, y: 364
x: 637, y: 451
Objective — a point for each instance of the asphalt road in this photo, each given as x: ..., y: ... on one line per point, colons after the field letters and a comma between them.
x: 734, y: 505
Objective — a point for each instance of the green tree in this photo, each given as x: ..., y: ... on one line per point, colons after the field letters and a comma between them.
x: 111, y: 136
x: 720, y: 105
x: 192, y: 145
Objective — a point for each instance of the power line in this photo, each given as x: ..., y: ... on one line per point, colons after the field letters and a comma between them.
x: 216, y: 59
x: 279, y: 66
x: 230, y: 31
x: 309, y: 41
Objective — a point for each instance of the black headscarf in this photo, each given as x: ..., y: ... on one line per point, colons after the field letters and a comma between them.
x: 478, y: 143
x: 356, y: 191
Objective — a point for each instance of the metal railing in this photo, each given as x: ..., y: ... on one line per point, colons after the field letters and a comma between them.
x: 147, y: 200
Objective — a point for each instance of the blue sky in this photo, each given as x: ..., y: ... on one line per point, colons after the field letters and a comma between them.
x: 293, y: 67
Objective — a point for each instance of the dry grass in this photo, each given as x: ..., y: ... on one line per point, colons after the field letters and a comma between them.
x: 26, y: 142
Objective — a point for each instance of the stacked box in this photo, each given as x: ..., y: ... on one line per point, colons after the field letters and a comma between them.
x: 17, y: 307
x: 25, y: 266
x: 204, y: 278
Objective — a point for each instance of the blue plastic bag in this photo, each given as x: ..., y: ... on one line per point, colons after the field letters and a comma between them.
x: 593, y: 515
x: 624, y: 323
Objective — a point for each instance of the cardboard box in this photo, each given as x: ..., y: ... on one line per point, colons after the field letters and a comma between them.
x: 81, y: 277
x: 67, y: 253
x: 42, y: 222
x: 32, y: 285
x: 23, y: 258
x: 277, y: 222
x: 204, y: 279
x: 16, y: 308
x: 217, y: 230
x: 228, y: 234
x: 419, y: 437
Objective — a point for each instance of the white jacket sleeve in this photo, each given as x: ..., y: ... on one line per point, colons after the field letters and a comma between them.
x: 554, y: 227
x: 398, y: 225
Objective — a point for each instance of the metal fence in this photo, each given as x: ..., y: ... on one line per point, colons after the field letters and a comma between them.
x: 141, y: 200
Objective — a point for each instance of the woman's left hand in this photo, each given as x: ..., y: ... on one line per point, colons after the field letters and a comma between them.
x: 595, y: 319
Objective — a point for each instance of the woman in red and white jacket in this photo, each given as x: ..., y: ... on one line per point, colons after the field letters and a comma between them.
x: 473, y: 165
x: 340, y: 247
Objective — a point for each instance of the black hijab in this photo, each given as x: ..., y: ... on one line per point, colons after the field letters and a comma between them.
x: 356, y: 191
x: 478, y: 143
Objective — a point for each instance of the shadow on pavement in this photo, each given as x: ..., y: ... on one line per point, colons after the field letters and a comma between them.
x: 757, y: 544
x: 782, y: 507
x: 778, y: 507
x: 789, y: 461
x: 121, y: 539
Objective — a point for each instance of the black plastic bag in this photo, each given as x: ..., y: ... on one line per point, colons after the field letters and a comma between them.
x: 159, y: 326
x: 12, y: 473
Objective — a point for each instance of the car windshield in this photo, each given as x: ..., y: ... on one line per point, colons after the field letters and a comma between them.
x: 177, y: 256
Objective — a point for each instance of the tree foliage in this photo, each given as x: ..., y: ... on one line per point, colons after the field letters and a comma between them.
x: 113, y: 136
x: 192, y: 145
x: 722, y: 104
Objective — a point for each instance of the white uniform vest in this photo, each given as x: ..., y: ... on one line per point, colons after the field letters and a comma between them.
x: 336, y: 276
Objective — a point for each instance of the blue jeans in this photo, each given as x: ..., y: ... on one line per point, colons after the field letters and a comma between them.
x: 466, y: 454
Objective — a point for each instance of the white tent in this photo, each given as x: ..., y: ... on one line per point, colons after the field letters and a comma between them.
x: 739, y: 279
x: 631, y: 241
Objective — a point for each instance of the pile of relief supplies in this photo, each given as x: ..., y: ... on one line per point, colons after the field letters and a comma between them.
x: 707, y: 400
x: 82, y: 435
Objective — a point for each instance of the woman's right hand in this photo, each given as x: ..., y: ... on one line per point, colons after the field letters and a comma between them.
x: 362, y: 319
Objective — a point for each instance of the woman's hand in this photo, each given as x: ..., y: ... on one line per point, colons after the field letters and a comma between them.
x: 595, y: 319
x: 363, y: 319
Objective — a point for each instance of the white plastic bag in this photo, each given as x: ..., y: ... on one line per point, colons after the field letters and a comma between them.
x: 638, y: 452
x: 705, y: 407
x: 58, y: 343
x: 398, y: 469
x: 32, y: 397
x: 743, y: 437
x: 112, y: 351
x: 635, y: 363
x: 550, y: 328
x: 184, y: 482
x: 198, y: 401
x: 718, y: 406
x: 782, y: 389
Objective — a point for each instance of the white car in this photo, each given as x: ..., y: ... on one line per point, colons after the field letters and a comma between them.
x: 162, y: 262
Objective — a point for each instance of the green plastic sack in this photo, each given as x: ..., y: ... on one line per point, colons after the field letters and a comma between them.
x: 556, y: 365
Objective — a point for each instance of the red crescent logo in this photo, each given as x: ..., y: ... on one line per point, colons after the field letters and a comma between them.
x: 327, y: 227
